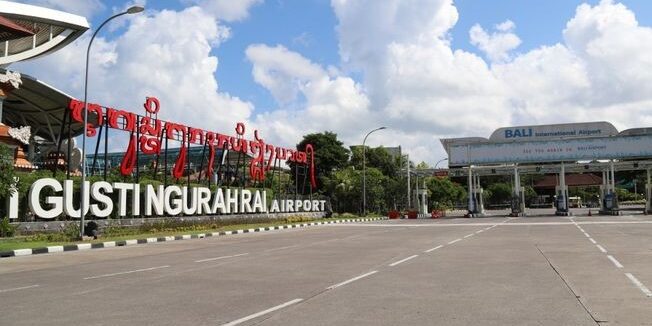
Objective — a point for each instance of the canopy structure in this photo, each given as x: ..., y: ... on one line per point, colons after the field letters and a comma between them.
x: 28, y: 31
x: 40, y: 106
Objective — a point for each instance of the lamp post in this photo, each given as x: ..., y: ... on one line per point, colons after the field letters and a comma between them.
x: 364, y: 172
x: 83, y: 190
x: 443, y: 159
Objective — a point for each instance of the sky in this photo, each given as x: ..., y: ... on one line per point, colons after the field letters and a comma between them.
x: 425, y: 69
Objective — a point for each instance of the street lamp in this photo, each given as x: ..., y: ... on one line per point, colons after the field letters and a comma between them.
x: 364, y: 172
x: 83, y: 190
x: 443, y: 159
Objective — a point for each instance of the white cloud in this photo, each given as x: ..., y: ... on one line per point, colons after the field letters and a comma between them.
x: 327, y: 101
x: 86, y: 8
x: 496, y: 45
x: 226, y: 10
x: 166, y: 54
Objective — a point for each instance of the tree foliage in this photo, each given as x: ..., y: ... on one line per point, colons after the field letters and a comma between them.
x: 443, y: 193
x: 330, y: 155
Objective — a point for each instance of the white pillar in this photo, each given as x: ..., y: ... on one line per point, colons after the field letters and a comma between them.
x: 471, y: 192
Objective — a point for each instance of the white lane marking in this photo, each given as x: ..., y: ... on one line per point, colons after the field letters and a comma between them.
x: 351, y: 280
x: 433, y: 249
x: 479, y: 231
x: 485, y: 224
x: 20, y: 288
x: 281, y: 248
x: 601, y: 248
x: 468, y: 235
x: 402, y: 260
x: 640, y: 285
x: 456, y: 240
x: 593, y: 241
x: 264, y: 312
x: 613, y: 260
x: 218, y: 258
x: 586, y: 235
x: 127, y: 272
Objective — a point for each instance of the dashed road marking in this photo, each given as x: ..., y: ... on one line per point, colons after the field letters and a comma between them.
x: 468, y: 235
x: 456, y: 240
x: 593, y: 241
x: 601, y: 248
x: 639, y: 284
x: 219, y: 258
x: 479, y: 231
x: 127, y: 272
x: 264, y: 312
x: 403, y: 260
x: 281, y: 248
x: 613, y: 260
x: 351, y: 280
x: 433, y: 249
x: 20, y: 288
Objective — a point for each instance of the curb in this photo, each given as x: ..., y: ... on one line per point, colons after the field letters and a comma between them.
x: 122, y: 243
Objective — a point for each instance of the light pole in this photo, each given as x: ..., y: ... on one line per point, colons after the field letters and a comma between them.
x: 83, y: 190
x: 443, y: 159
x: 364, y: 171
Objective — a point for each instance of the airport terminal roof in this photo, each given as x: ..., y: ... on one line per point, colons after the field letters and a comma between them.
x: 28, y: 31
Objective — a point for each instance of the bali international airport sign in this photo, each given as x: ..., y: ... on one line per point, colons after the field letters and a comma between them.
x: 49, y: 198
x: 574, y: 149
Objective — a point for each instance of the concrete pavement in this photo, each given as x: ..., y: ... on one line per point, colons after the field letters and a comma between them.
x: 489, y: 271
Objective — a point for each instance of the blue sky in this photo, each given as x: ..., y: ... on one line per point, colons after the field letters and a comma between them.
x: 309, y: 27
x: 427, y: 69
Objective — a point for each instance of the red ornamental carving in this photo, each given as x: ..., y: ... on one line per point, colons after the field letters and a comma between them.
x: 152, y: 129
x: 179, y: 165
x: 129, y: 159
x: 152, y: 105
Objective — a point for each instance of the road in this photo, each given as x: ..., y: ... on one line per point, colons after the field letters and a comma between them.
x: 485, y: 271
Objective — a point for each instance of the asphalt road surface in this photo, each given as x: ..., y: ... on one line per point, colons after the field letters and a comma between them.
x: 485, y: 271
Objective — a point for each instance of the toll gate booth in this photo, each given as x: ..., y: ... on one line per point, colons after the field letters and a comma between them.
x: 559, y: 149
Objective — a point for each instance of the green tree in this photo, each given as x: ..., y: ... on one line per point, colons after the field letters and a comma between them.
x: 7, y: 173
x: 330, y: 155
x: 377, y: 158
x: 499, y: 193
x: 443, y: 193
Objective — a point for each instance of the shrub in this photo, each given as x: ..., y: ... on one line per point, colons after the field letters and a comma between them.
x: 6, y: 228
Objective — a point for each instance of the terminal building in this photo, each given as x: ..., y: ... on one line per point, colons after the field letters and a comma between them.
x: 556, y: 150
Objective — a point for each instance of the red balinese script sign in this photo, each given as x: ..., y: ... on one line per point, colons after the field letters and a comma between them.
x: 147, y: 132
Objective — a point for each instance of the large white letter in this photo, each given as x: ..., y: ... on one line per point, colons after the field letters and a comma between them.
x: 245, y: 201
x: 203, y: 199
x: 185, y: 197
x: 231, y: 200
x: 218, y: 202
x: 154, y: 199
x: 258, y: 203
x: 35, y: 203
x: 102, y: 199
x: 122, y: 196
x: 173, y: 206
x: 69, y: 200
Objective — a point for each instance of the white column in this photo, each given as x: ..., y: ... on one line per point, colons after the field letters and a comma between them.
x: 471, y: 192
